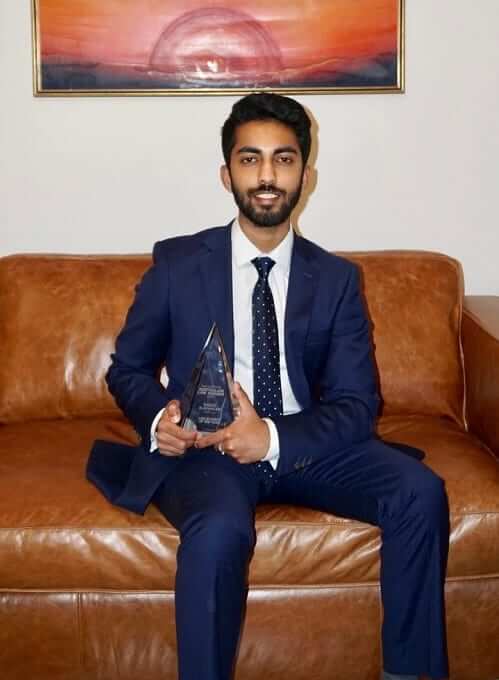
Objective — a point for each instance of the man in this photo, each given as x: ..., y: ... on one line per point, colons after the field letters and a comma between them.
x: 297, y: 337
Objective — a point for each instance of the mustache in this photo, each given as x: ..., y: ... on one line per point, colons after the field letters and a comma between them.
x: 268, y: 188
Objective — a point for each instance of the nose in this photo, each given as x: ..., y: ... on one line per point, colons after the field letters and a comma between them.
x: 267, y: 172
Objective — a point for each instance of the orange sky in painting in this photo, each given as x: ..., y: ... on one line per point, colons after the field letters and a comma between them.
x: 125, y: 31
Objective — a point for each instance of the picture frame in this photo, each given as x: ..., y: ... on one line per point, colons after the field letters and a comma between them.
x: 191, y: 47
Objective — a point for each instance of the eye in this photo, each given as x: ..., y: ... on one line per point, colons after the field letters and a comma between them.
x: 248, y: 160
x: 286, y: 159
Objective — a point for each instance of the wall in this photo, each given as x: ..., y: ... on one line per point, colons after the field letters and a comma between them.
x: 418, y: 170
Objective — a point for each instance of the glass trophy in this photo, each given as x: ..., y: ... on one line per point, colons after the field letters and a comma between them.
x: 208, y: 403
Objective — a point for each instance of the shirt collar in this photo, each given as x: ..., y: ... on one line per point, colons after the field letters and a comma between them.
x: 243, y: 250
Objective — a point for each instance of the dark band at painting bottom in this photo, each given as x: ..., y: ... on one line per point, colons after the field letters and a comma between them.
x: 380, y: 71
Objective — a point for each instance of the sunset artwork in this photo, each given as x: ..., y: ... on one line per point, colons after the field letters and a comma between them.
x: 216, y: 47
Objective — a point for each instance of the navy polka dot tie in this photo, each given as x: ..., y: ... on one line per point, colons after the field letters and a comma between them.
x: 267, y: 393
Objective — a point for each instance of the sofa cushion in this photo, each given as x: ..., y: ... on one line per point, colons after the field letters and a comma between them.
x: 60, y: 316
x: 414, y: 300
x: 65, y: 535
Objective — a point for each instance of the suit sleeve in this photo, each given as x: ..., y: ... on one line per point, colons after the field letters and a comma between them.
x: 344, y: 412
x: 133, y: 377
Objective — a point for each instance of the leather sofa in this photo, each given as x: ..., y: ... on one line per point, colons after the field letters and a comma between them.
x: 86, y: 589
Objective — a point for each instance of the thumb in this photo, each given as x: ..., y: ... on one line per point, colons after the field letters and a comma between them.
x: 243, y: 399
x: 173, y: 411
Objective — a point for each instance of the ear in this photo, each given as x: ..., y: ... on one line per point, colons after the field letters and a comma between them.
x: 306, y: 176
x: 225, y: 177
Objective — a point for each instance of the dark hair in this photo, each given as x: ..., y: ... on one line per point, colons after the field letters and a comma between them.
x: 267, y: 106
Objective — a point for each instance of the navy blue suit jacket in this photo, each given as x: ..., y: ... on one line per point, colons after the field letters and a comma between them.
x: 327, y: 343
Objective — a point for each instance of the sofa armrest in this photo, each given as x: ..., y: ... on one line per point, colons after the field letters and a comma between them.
x: 480, y: 334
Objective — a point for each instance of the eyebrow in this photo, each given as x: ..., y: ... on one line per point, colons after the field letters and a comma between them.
x: 280, y: 149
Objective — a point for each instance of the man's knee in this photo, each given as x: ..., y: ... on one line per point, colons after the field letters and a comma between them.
x: 220, y: 537
x: 430, y: 496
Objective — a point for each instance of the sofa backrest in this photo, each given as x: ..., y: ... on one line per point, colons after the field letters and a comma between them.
x: 414, y: 300
x: 59, y: 316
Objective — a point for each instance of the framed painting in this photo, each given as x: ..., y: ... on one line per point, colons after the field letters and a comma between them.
x: 179, y: 47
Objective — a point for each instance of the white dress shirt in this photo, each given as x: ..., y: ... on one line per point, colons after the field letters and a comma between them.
x: 244, y: 278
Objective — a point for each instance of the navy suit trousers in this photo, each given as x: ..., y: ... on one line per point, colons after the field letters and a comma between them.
x: 211, y: 500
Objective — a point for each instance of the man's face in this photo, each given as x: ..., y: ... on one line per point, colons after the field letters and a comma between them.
x: 266, y: 173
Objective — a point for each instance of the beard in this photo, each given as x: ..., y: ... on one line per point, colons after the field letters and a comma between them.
x: 267, y: 216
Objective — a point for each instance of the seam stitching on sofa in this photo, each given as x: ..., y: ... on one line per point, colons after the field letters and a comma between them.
x: 256, y: 587
x: 260, y: 523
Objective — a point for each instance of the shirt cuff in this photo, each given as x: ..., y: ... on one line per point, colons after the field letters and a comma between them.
x: 273, y: 453
x: 154, y: 443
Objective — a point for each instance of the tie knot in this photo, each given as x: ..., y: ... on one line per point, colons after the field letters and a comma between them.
x: 263, y: 266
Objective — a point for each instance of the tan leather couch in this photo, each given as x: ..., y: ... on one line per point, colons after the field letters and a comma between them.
x: 87, y: 588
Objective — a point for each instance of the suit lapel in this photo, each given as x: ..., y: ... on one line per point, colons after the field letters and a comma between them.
x: 216, y: 277
x: 303, y: 280
x: 216, y: 274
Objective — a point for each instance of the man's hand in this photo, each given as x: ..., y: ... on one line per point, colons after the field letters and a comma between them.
x: 172, y: 439
x: 247, y: 439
